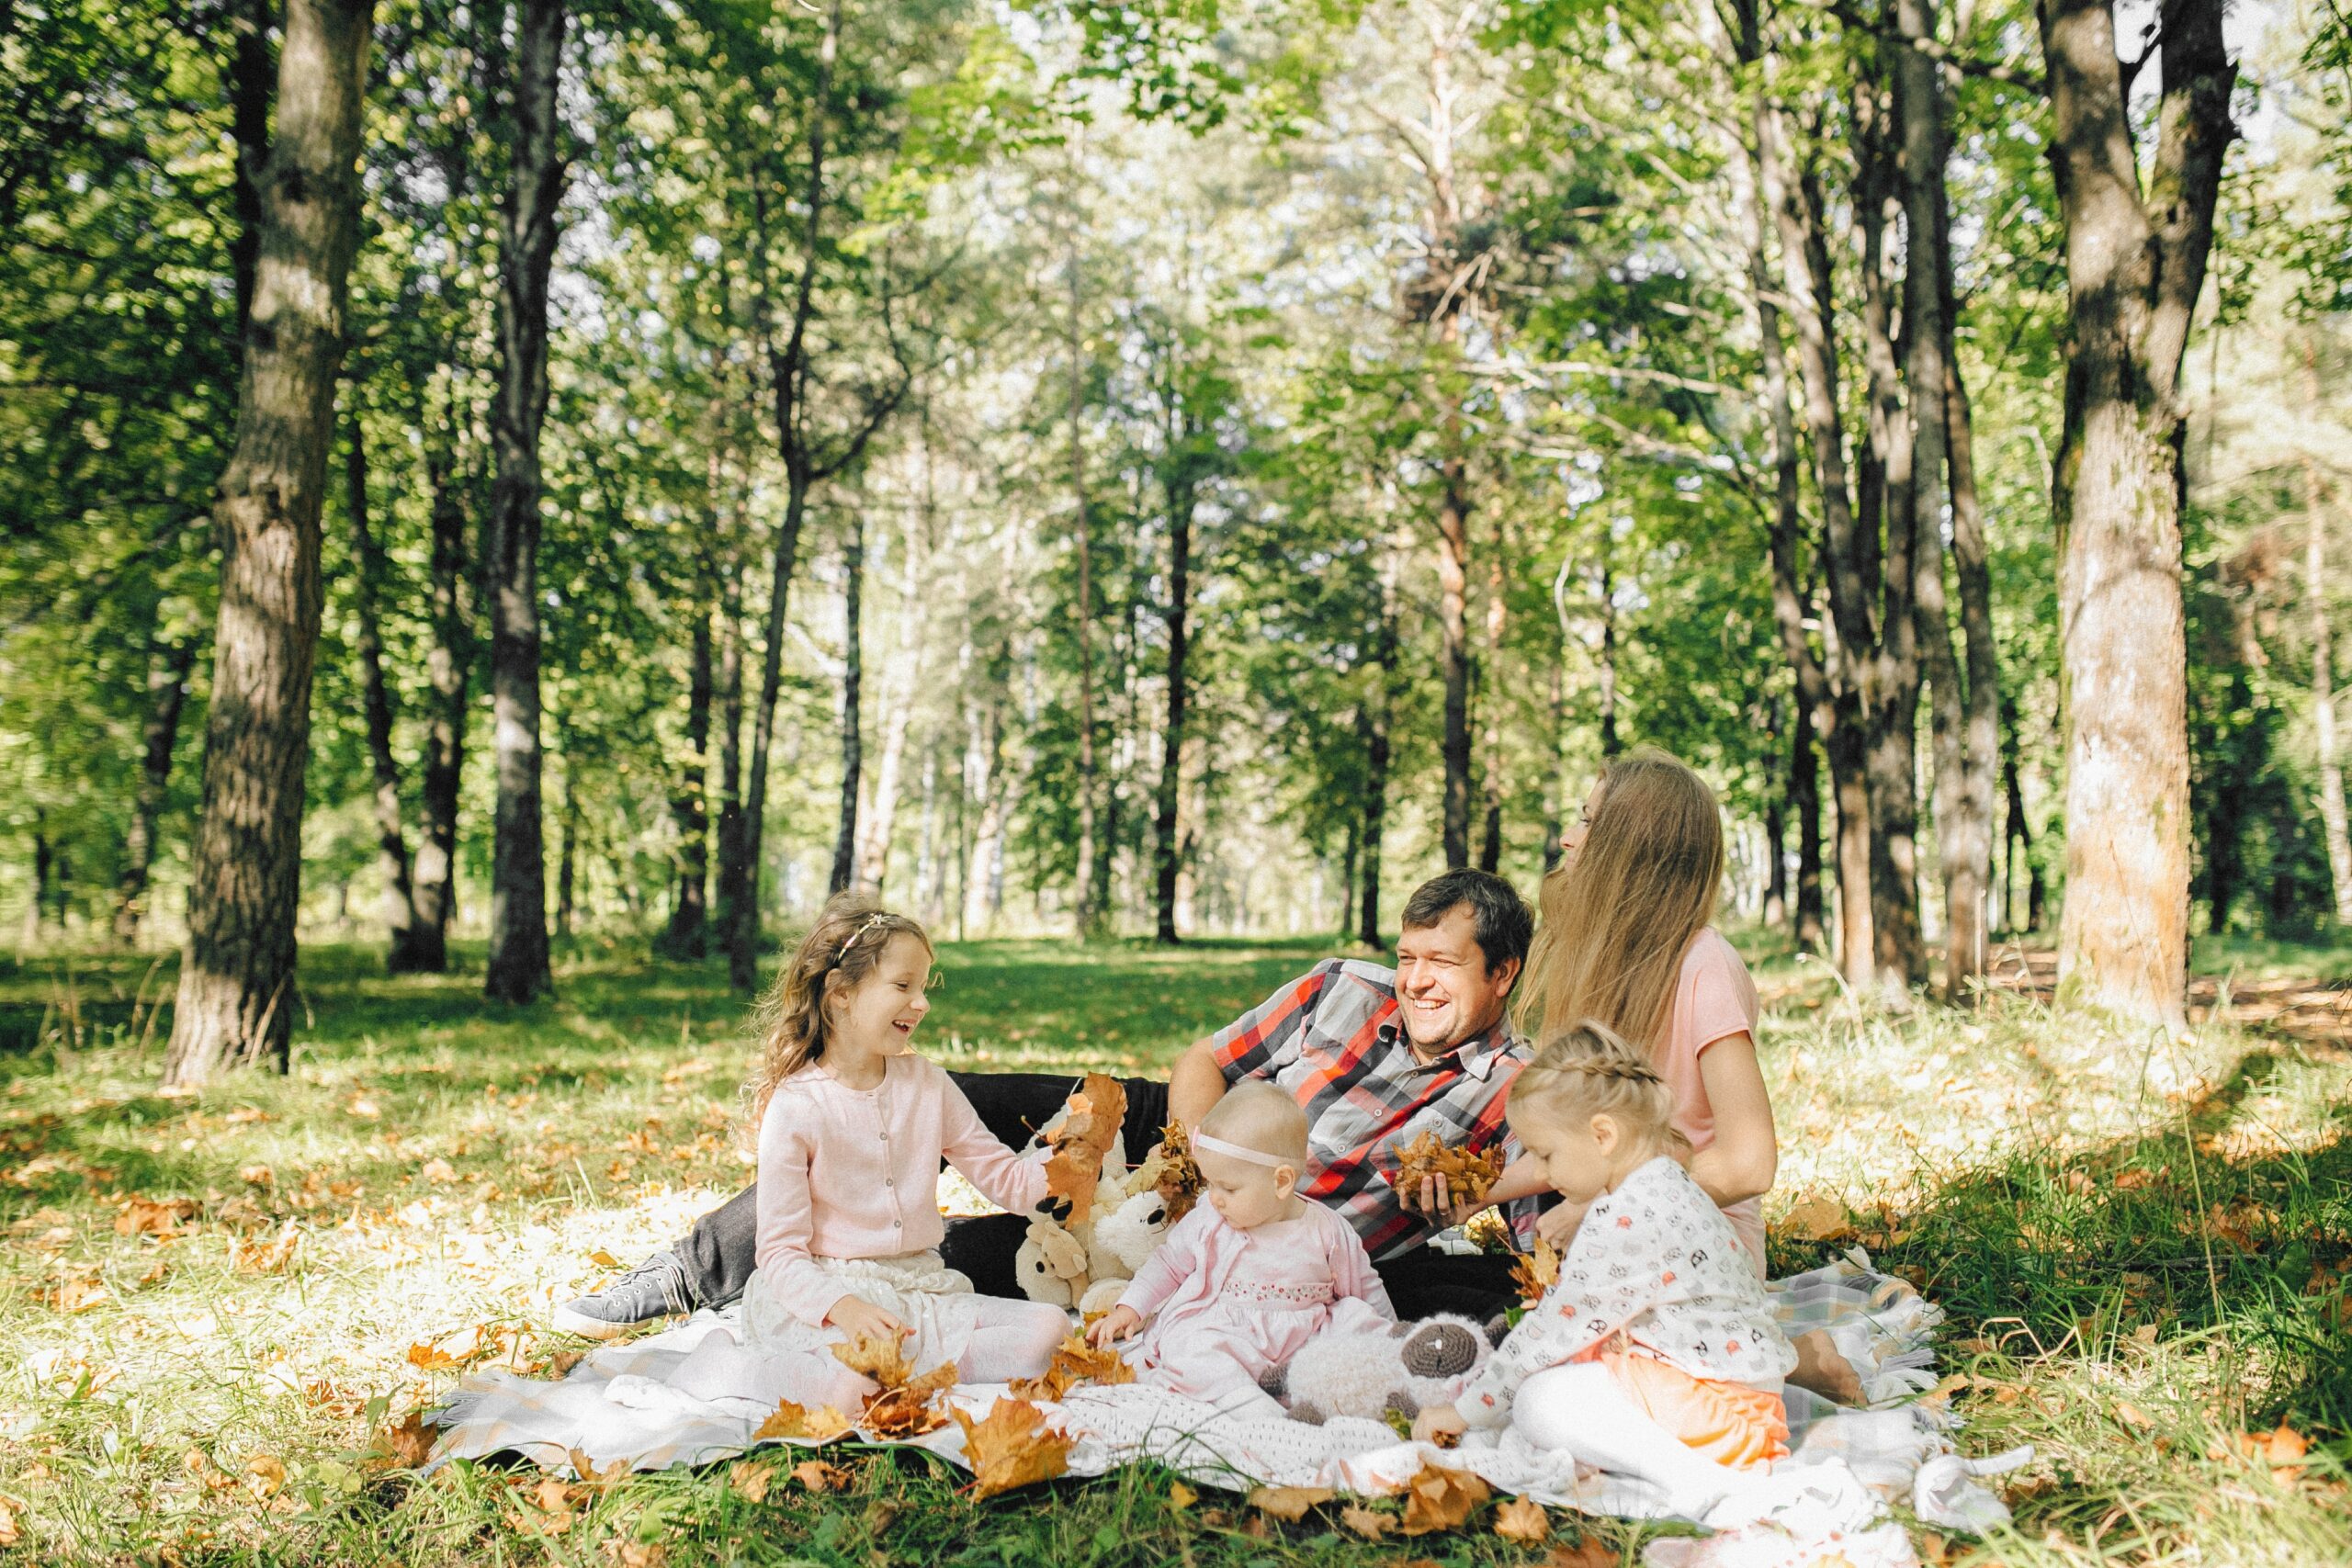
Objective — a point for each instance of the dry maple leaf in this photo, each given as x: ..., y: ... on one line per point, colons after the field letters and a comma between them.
x: 1074, y: 1362
x: 1288, y: 1504
x: 1080, y: 1143
x: 1536, y: 1271
x: 270, y: 1257
x: 1818, y: 1219
x: 2283, y: 1449
x: 1582, y: 1552
x: 163, y: 1218
x: 827, y: 1422
x: 1013, y: 1447
x: 899, y: 1413
x: 819, y: 1476
x: 594, y: 1477
x: 1467, y: 1175
x: 788, y: 1420
x: 1369, y: 1523
x: 1441, y: 1499
x: 885, y: 1360
x: 407, y: 1446
x: 9, y: 1534
x: 751, y: 1480
x: 1522, y: 1519
x: 1180, y: 1179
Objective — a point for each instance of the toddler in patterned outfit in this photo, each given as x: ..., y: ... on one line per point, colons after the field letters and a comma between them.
x: 1251, y: 1274
x: 1655, y: 1354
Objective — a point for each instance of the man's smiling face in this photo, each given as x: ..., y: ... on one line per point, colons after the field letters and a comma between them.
x: 1448, y: 994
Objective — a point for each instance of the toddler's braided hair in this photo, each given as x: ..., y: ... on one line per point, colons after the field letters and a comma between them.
x: 1588, y: 1071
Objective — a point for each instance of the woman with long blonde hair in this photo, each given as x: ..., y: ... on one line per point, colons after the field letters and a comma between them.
x: 1626, y: 941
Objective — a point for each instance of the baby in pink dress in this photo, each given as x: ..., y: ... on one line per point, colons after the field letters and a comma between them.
x: 1250, y: 1275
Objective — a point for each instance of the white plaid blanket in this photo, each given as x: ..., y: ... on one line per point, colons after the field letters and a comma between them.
x: 619, y: 1404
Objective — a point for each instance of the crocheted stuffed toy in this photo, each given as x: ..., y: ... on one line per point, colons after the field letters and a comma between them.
x: 1372, y: 1375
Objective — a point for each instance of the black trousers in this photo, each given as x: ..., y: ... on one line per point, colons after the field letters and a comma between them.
x: 720, y: 1253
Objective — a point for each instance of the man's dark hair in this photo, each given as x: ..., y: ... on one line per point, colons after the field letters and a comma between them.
x: 1497, y: 914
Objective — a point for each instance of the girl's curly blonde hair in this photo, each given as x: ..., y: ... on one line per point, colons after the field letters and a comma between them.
x: 843, y: 948
x: 1589, y: 1070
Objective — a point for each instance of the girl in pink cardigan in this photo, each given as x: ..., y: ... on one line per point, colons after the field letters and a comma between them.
x: 1252, y: 1273
x: 853, y: 1128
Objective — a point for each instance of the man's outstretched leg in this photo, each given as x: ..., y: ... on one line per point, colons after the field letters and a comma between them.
x: 718, y: 1258
x: 710, y: 1268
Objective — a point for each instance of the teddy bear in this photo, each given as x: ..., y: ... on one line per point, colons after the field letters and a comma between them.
x: 1087, y: 1264
x: 1377, y: 1374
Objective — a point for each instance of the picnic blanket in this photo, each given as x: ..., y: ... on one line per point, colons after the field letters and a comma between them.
x: 623, y: 1403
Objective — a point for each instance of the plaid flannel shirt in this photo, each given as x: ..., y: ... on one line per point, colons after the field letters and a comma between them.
x: 1334, y: 1039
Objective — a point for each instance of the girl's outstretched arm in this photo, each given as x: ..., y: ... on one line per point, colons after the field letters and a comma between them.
x: 1745, y: 1155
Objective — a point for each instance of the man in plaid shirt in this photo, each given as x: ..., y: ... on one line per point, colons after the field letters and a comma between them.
x: 1375, y: 1056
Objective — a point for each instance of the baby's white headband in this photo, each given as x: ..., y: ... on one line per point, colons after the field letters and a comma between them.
x: 1255, y: 1157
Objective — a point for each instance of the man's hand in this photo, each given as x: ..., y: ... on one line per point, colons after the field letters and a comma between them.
x: 1439, y: 1424
x: 1558, y: 1224
x: 1434, y: 1201
x: 1117, y: 1324
x: 861, y: 1319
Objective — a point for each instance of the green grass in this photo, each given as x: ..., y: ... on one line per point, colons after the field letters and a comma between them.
x: 2141, y: 1246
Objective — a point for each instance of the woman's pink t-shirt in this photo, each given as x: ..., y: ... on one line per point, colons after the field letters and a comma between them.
x: 1714, y: 1000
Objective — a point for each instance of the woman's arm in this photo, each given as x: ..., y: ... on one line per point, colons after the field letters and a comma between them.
x: 1746, y: 1154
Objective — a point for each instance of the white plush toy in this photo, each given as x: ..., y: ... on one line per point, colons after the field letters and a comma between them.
x: 1370, y: 1375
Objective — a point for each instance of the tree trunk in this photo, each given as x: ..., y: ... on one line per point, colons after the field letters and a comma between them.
x: 1454, y: 652
x: 733, y: 880
x: 1490, y: 703
x: 1167, y: 857
x: 1776, y: 839
x: 376, y: 704
x: 251, y: 75
x: 1805, y: 806
x: 448, y: 667
x: 168, y: 669
x: 1089, y: 894
x: 2135, y: 266
x: 2331, y: 771
x: 983, y: 768
x: 1374, y: 721
x: 568, y: 853
x: 235, y: 1005
x: 902, y: 687
x: 519, y: 969
x: 2016, y: 832
x: 852, y: 711
x: 687, y: 935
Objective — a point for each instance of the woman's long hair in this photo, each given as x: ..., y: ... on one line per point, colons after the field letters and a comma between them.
x: 843, y: 948
x: 1619, y: 918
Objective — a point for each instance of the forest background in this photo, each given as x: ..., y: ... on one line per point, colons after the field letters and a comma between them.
x: 1162, y: 470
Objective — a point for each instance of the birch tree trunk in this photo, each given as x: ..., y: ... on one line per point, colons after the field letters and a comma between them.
x: 2135, y: 265
x: 2331, y: 770
x: 519, y: 969
x: 235, y: 1004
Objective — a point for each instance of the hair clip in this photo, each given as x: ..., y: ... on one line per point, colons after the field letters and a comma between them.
x: 871, y: 921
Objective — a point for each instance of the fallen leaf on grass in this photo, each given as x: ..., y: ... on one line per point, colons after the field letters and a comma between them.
x: 594, y: 1477
x: 1441, y: 1499
x: 160, y: 1217
x: 1369, y: 1523
x: 2131, y: 1415
x: 2283, y: 1449
x: 604, y: 1259
x: 751, y: 1480
x: 74, y: 1295
x: 640, y: 1553
x: 1819, y: 1219
x: 264, y: 1476
x: 819, y: 1476
x: 439, y: 1170
x: 1522, y: 1519
x: 1012, y: 1448
x: 274, y: 1256
x: 1535, y: 1273
x: 1288, y: 1504
x: 1582, y: 1552
x: 1180, y: 1496
x: 9, y: 1534
x: 156, y: 1273
x: 407, y: 1446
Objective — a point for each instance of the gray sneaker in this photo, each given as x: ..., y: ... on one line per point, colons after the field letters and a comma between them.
x: 655, y: 1288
